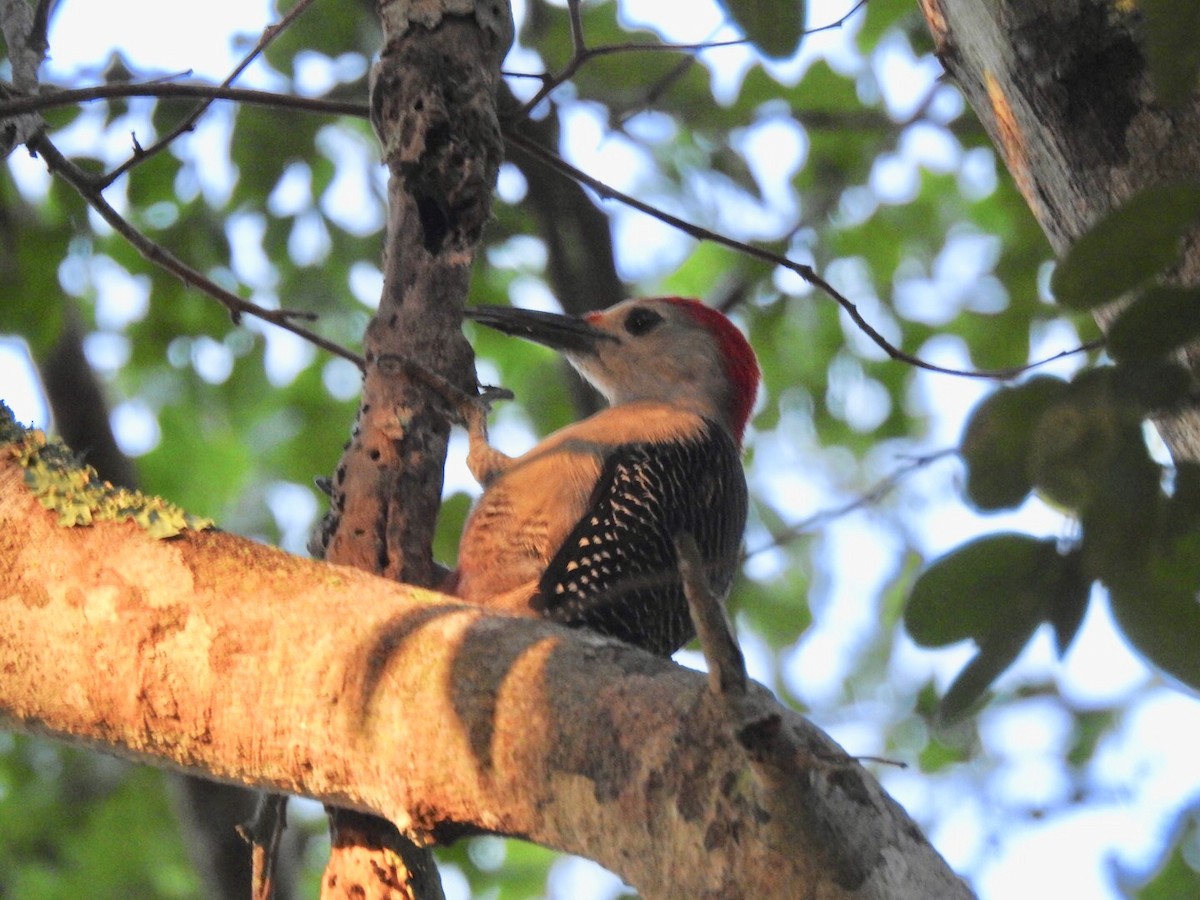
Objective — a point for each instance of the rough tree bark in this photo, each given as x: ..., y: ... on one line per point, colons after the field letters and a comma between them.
x: 433, y: 107
x: 208, y: 813
x: 227, y: 658
x: 1063, y: 89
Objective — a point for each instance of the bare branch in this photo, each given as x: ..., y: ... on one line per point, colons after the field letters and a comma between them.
x: 160, y: 255
x: 840, y: 21
x: 875, y: 495
x: 49, y: 99
x: 269, y: 34
x: 727, y: 676
x: 576, y: 16
x: 806, y: 272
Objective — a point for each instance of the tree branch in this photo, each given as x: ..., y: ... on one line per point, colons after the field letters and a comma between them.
x: 806, y: 272
x: 24, y: 103
x: 269, y: 34
x: 160, y: 255
x: 228, y: 658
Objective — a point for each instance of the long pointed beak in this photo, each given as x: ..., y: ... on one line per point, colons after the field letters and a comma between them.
x: 565, y: 333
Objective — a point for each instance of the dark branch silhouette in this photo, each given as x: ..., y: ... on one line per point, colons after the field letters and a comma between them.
x: 160, y: 255
x: 805, y: 272
x: 270, y: 33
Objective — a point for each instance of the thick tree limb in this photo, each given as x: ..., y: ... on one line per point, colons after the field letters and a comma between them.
x: 223, y: 657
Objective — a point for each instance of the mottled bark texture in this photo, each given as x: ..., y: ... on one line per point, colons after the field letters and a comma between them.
x: 1063, y: 89
x: 433, y: 106
x: 228, y: 658
x: 208, y: 813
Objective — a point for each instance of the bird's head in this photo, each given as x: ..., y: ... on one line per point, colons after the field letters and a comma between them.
x: 666, y: 349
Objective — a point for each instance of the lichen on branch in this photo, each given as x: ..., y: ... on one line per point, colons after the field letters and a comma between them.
x: 72, y: 490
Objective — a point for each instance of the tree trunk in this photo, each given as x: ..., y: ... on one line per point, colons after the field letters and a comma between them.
x: 433, y: 107
x: 1064, y: 91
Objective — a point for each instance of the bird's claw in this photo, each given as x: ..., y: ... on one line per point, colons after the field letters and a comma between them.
x: 472, y: 409
x: 490, y: 393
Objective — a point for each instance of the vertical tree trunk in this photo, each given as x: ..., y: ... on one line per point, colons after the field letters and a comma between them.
x: 433, y: 106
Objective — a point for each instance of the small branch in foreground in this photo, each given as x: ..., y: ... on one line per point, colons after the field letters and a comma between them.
x: 269, y: 34
x: 727, y: 676
x: 160, y: 255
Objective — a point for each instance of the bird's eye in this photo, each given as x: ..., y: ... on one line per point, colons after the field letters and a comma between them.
x: 641, y: 320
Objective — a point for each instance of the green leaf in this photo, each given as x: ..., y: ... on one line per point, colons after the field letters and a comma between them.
x: 1161, y: 615
x: 773, y: 26
x: 995, y: 655
x: 1171, y: 37
x: 996, y: 445
x: 1182, y: 510
x: 1068, y: 588
x: 938, y: 756
x: 995, y: 585
x: 1127, y: 247
x: 1161, y: 320
x: 1089, y: 454
x: 1143, y: 387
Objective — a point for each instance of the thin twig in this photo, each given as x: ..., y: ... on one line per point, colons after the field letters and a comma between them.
x: 54, y: 98
x: 269, y: 34
x: 805, y: 272
x: 583, y: 54
x: 41, y: 26
x: 160, y: 255
x: 630, y: 47
x: 263, y: 833
x: 876, y: 494
x: 840, y: 21
x: 655, y: 91
x: 575, y: 15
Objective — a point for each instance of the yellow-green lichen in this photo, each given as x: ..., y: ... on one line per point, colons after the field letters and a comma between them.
x: 77, y: 494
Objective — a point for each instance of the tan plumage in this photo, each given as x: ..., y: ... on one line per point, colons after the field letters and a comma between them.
x: 581, y: 528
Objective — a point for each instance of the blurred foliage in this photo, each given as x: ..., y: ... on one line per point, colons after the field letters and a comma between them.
x: 1178, y: 876
x: 1080, y: 445
x: 1170, y: 31
x: 77, y: 824
x: 892, y: 195
x: 774, y: 28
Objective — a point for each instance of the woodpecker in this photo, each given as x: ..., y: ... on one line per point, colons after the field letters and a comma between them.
x: 582, y: 528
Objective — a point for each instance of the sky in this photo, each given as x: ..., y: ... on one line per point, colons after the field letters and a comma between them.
x: 1143, y: 773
